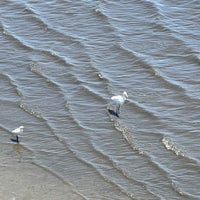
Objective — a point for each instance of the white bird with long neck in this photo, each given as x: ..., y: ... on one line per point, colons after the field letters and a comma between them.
x: 118, y: 101
x: 17, y: 131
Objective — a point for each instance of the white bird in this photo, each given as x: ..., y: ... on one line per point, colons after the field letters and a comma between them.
x: 16, y: 132
x: 118, y: 101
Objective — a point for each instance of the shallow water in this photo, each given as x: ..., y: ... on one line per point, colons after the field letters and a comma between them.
x: 61, y: 61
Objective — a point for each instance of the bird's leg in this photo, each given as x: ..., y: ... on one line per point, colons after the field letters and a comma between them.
x: 17, y: 139
x: 117, y: 110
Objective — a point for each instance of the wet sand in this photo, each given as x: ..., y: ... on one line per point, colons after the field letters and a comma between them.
x: 23, y: 180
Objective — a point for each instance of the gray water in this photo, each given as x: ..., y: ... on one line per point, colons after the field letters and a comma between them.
x: 61, y: 61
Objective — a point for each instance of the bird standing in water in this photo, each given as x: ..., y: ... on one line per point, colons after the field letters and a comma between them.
x: 16, y: 132
x: 118, y: 101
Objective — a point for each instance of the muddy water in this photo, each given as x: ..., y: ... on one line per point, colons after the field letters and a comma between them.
x: 61, y: 61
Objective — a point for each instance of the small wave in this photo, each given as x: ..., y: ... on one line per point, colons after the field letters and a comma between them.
x: 144, y: 109
x: 33, y: 16
x: 29, y: 10
x: 137, y: 59
x: 14, y: 38
x: 101, y: 164
x: 168, y: 81
x: 165, y: 23
x: 181, y: 192
x: 94, y: 93
x: 68, y: 39
x: 128, y: 136
x: 23, y: 39
x: 12, y: 83
x: 30, y: 47
x: 153, y: 5
x: 144, y: 156
x: 141, y: 60
x: 170, y: 145
x: 100, y: 13
x: 125, y: 173
x: 30, y: 111
x: 193, y: 57
x: 44, y: 24
x: 60, y: 87
x: 78, y: 155
x: 38, y: 70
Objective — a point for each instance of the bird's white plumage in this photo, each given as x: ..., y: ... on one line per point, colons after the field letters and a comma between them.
x: 119, y: 100
x: 18, y: 130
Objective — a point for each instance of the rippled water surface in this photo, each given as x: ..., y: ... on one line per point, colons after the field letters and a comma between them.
x: 61, y: 61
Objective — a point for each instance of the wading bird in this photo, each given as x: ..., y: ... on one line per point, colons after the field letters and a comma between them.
x: 118, y: 101
x: 16, y: 132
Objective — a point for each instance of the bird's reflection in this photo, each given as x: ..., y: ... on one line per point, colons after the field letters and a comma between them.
x: 18, y: 149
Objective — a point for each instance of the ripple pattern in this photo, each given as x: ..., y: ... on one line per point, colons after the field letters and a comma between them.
x: 60, y: 63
